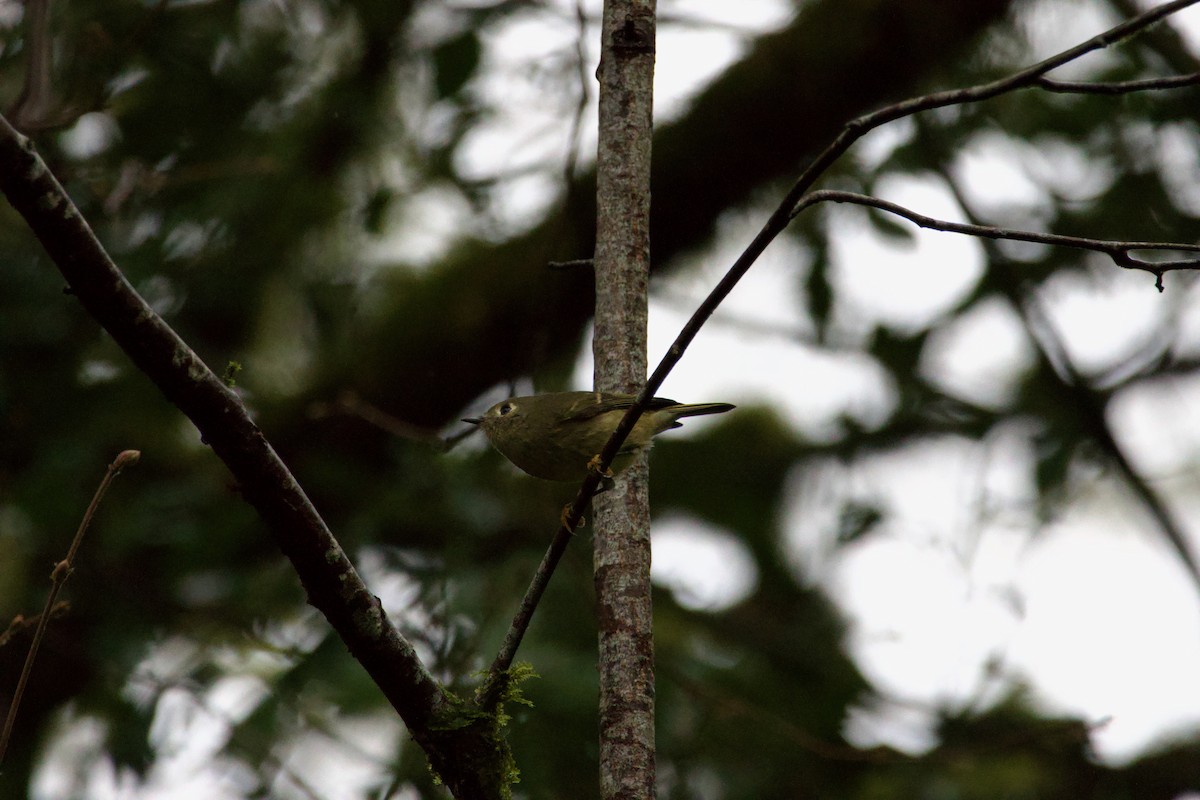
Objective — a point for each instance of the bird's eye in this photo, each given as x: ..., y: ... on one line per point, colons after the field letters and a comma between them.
x: 506, y: 409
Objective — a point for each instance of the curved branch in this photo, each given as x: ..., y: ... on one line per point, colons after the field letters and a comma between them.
x: 1120, y: 252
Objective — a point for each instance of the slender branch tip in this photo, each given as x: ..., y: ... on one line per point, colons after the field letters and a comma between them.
x: 126, y: 458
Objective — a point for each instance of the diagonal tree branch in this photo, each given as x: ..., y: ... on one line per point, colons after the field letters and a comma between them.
x: 330, y: 580
x: 776, y: 224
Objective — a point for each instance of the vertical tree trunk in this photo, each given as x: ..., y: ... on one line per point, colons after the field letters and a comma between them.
x: 622, y: 515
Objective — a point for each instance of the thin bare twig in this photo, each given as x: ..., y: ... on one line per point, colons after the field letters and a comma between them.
x: 1117, y: 87
x: 1054, y: 730
x: 1120, y: 252
x: 581, y: 71
x: 493, y: 685
x: 574, y: 263
x: 58, y: 578
x: 21, y: 623
x: 775, y: 224
x: 351, y: 403
x: 855, y: 129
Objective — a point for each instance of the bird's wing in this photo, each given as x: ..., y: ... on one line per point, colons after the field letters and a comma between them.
x: 587, y: 407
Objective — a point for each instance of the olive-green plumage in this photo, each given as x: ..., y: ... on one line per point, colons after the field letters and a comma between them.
x: 554, y: 436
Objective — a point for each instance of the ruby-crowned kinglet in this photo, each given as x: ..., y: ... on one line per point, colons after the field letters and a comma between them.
x: 554, y: 436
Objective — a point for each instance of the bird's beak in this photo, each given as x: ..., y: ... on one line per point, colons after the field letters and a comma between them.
x: 473, y: 420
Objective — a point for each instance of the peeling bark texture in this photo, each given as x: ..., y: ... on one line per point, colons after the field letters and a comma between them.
x: 622, y: 515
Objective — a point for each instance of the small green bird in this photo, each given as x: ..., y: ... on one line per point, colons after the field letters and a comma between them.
x: 555, y: 436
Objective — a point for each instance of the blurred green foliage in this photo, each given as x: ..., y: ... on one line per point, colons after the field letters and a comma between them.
x: 250, y: 166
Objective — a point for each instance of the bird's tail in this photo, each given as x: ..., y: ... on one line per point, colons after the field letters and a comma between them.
x: 700, y: 409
